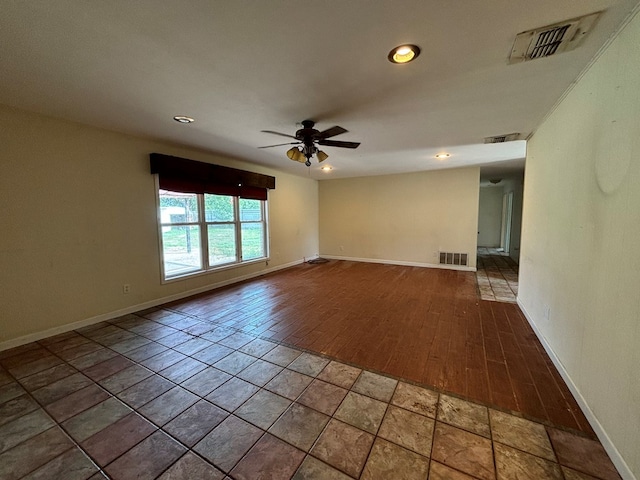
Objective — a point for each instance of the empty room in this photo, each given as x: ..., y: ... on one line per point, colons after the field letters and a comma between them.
x: 331, y: 240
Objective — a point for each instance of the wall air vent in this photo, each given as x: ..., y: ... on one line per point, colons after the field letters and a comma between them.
x: 552, y: 39
x: 447, y: 258
x: 508, y: 137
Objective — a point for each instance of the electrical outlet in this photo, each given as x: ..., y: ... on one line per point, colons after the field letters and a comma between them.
x: 342, y: 248
x: 126, y: 289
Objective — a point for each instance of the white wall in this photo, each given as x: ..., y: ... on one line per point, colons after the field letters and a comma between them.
x: 400, y: 218
x: 78, y: 216
x: 580, y: 258
x: 489, y: 216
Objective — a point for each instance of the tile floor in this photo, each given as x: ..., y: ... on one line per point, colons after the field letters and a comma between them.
x: 497, y: 276
x: 164, y: 395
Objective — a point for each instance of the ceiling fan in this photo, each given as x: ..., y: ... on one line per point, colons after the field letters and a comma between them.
x: 308, y: 137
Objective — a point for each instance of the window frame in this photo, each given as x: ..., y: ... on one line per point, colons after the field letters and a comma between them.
x: 262, y: 221
x: 203, y: 226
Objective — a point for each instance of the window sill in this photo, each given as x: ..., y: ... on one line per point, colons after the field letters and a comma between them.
x: 222, y: 268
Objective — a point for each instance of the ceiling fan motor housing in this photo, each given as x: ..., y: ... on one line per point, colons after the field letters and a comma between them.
x: 307, y: 133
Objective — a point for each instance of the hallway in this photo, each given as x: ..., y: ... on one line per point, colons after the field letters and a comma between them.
x: 497, y: 276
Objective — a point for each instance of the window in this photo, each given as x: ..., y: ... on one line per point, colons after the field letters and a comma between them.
x: 210, y: 216
x: 202, y: 232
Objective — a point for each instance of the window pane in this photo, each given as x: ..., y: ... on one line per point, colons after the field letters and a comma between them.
x: 181, y: 247
x: 252, y: 241
x: 218, y: 208
x: 178, y: 207
x: 250, y: 210
x: 222, y: 244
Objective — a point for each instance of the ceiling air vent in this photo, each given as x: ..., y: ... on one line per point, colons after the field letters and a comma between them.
x: 509, y: 137
x: 552, y: 39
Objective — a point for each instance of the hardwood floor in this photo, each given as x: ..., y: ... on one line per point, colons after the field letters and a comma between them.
x: 427, y: 326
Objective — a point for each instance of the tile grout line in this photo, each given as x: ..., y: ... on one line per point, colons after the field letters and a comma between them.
x: 57, y: 424
x: 160, y: 428
x: 133, y: 409
x: 375, y: 435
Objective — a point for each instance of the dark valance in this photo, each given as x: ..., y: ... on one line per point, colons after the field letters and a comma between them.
x: 189, y: 176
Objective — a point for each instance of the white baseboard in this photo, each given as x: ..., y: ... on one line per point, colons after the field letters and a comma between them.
x: 401, y: 262
x: 33, y: 337
x: 623, y: 469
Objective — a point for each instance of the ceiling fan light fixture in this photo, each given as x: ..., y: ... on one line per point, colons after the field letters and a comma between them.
x: 322, y: 156
x: 183, y: 119
x: 326, y: 168
x: 404, y: 54
x: 296, y: 155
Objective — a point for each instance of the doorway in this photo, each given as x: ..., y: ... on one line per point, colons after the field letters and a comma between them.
x: 507, y: 222
x: 499, y: 222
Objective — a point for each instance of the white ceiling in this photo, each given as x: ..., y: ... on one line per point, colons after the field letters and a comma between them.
x: 239, y: 67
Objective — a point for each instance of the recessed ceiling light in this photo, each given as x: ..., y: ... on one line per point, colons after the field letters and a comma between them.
x: 443, y: 155
x: 404, y: 54
x: 326, y: 168
x: 183, y: 119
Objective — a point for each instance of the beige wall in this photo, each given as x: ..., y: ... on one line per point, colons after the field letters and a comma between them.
x: 78, y: 216
x: 401, y: 218
x: 489, y: 216
x: 579, y: 264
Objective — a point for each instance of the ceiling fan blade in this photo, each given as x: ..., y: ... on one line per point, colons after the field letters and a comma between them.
x: 330, y: 132
x: 278, y: 133
x: 337, y: 143
x: 281, y: 144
